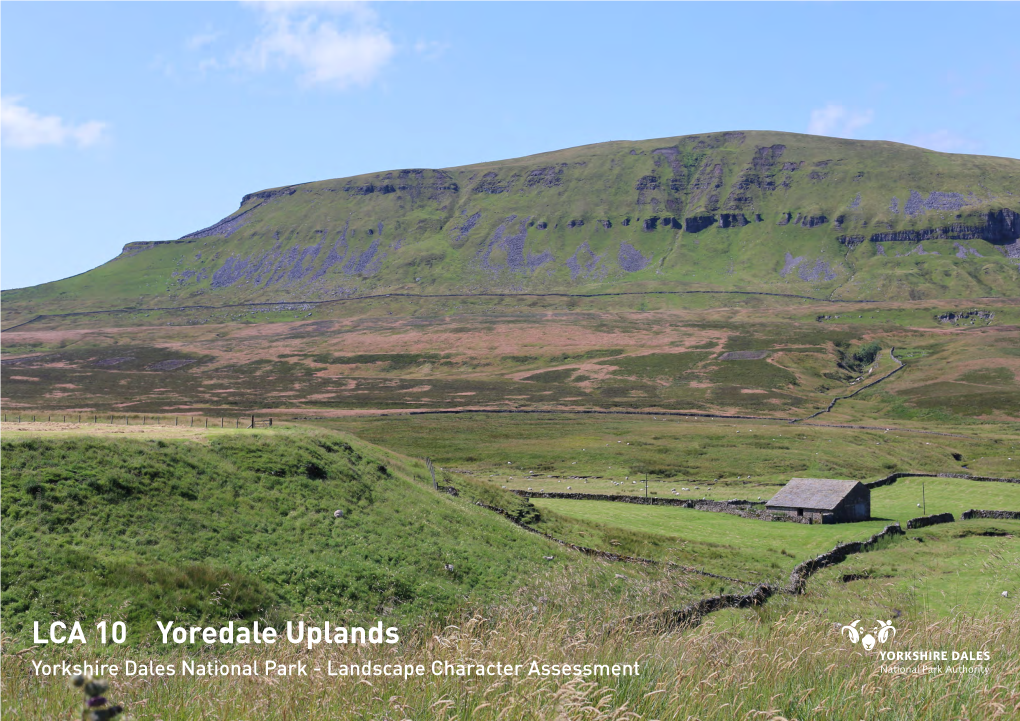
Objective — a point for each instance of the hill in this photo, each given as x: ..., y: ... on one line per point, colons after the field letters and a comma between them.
x: 751, y: 211
x: 243, y: 527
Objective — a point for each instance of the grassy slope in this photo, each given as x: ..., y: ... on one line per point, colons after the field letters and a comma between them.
x: 421, y: 247
x: 243, y: 527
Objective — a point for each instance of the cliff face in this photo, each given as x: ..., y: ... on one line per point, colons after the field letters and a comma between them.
x: 735, y: 210
x: 1000, y: 227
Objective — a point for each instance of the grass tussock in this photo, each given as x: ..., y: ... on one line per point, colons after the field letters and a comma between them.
x: 796, y: 666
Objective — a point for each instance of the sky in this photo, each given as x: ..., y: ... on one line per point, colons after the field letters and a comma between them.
x: 124, y: 121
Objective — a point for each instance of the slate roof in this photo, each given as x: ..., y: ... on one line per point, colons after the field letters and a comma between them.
x: 816, y: 493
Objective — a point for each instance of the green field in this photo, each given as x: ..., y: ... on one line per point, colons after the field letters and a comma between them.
x: 681, y: 524
x: 942, y: 495
x: 749, y: 548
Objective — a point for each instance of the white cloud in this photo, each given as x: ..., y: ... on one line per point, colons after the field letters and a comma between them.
x: 22, y: 128
x: 944, y: 141
x: 837, y: 121
x: 333, y: 44
x: 201, y: 40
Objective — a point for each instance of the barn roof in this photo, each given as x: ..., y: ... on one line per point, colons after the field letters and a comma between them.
x: 819, y: 493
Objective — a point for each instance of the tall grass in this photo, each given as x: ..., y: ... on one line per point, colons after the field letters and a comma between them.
x: 795, y: 666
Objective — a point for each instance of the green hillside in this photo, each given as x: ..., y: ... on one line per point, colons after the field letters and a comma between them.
x: 758, y: 211
x: 243, y: 528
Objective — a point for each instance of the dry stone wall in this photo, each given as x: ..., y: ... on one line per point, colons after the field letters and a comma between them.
x: 1001, y: 515
x: 735, y: 507
x: 692, y: 614
x: 893, y: 477
x: 934, y: 520
x: 803, y: 571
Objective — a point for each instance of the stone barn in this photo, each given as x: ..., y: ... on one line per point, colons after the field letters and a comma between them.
x: 823, y: 500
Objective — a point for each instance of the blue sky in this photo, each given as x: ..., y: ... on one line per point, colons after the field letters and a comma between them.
x: 145, y: 121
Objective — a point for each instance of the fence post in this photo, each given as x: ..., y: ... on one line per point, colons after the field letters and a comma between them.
x: 175, y: 420
x: 253, y: 421
x: 206, y: 422
x: 270, y: 422
x: 221, y: 421
x: 237, y: 423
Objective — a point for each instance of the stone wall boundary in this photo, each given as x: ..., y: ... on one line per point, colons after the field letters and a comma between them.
x: 933, y: 520
x: 735, y: 507
x: 640, y: 500
x: 893, y: 477
x: 803, y: 571
x: 692, y: 614
x: 1001, y: 515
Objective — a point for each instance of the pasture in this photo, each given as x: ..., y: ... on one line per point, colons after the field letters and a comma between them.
x: 748, y: 547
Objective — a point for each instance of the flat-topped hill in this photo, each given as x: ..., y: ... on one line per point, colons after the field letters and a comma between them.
x: 759, y: 211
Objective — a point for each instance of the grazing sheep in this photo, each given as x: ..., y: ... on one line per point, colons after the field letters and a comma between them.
x: 338, y: 514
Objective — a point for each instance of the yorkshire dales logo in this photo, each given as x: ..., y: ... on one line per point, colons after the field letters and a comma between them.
x: 883, y: 632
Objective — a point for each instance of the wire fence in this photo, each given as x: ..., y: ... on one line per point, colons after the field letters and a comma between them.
x: 129, y: 419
